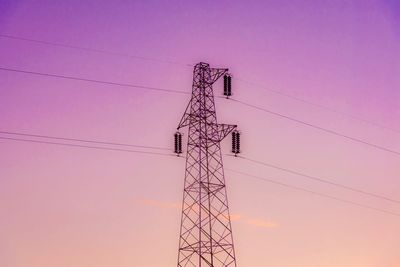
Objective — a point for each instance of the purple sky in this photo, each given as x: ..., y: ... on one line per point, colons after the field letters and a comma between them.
x: 64, y: 206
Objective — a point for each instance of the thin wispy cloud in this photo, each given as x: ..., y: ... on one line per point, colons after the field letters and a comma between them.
x: 255, y: 222
x: 262, y: 223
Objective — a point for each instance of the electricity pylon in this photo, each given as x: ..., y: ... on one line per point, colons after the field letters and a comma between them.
x: 206, y: 233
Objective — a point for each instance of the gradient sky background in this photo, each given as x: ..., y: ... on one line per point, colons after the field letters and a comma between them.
x: 75, y: 207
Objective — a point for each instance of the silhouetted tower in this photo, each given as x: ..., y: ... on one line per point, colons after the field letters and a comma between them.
x: 206, y: 234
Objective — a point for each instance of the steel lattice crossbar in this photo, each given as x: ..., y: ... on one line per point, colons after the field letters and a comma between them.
x: 206, y: 233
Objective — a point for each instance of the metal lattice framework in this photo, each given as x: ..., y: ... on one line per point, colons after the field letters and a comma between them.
x: 206, y: 233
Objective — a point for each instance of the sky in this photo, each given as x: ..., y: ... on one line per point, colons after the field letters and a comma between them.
x: 78, y: 207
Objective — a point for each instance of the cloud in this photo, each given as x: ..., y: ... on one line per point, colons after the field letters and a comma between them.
x: 261, y: 223
x: 236, y: 217
x: 233, y: 217
x: 256, y: 222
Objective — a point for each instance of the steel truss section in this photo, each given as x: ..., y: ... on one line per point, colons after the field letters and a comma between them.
x: 206, y: 233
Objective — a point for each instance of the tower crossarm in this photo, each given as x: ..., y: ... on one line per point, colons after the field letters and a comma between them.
x: 185, y: 121
x: 223, y: 131
x: 217, y: 73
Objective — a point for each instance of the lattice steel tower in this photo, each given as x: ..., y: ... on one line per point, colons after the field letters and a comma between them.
x: 206, y: 233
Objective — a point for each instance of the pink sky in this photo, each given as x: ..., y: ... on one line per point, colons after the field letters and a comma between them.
x: 75, y: 207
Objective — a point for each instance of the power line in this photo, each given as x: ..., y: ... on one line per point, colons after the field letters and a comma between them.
x: 93, y: 50
x: 313, y: 192
x: 85, y: 146
x: 186, y: 93
x: 171, y: 155
x: 321, y: 106
x: 93, y: 81
x: 317, y: 127
x: 245, y: 158
x: 321, y: 180
x: 83, y: 140
x: 182, y: 92
x: 190, y: 65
